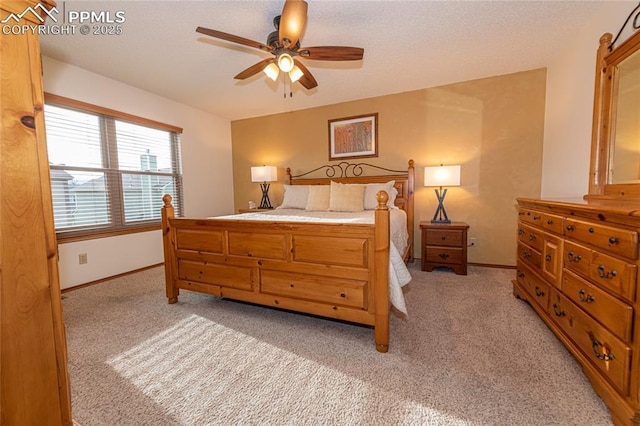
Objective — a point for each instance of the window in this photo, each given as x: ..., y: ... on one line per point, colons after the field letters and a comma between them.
x: 109, y: 170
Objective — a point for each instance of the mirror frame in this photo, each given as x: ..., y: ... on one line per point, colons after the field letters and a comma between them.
x: 604, y: 118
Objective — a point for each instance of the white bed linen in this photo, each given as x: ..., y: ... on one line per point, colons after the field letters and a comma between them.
x: 399, y: 275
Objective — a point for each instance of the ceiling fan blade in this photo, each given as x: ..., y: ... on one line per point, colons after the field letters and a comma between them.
x: 292, y: 22
x: 332, y: 53
x: 253, y: 69
x: 233, y: 38
x: 307, y: 80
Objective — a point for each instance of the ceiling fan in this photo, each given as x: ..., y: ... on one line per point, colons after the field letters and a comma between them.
x: 284, y: 45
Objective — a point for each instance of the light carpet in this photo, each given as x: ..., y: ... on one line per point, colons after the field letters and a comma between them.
x: 469, y: 353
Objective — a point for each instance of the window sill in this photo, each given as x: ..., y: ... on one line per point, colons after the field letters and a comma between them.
x: 83, y: 236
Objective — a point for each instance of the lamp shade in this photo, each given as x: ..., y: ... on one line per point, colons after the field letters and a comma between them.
x: 442, y: 175
x: 272, y: 71
x: 264, y: 174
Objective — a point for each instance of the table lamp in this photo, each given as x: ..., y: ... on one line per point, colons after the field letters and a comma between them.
x: 264, y: 174
x: 441, y: 176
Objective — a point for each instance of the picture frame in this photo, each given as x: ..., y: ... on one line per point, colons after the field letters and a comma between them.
x: 353, y: 137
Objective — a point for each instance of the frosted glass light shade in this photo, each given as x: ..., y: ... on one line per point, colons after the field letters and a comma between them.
x: 271, y: 71
x: 295, y: 74
x: 285, y: 62
x: 442, y: 176
x: 264, y: 174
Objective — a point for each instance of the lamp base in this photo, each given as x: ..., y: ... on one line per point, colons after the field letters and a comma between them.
x: 441, y: 215
x: 265, y: 203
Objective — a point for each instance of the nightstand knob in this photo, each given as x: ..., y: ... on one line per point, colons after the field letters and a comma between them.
x: 443, y: 255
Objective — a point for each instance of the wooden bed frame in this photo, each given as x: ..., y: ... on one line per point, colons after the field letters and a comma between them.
x: 332, y: 270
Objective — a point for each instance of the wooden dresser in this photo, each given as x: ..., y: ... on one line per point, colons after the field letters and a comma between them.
x: 578, y: 268
x: 34, y: 384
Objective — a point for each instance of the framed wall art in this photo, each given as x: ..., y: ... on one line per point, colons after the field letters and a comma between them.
x: 353, y: 137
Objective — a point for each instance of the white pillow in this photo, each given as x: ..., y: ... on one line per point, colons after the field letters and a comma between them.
x: 295, y: 197
x: 346, y: 198
x: 372, y: 189
x: 319, y: 196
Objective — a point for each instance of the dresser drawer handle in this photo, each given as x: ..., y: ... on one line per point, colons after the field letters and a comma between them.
x: 536, y: 217
x: 520, y: 231
x: 539, y: 292
x: 444, y: 237
x: 585, y: 298
x: 573, y: 258
x: 443, y: 255
x: 532, y: 237
x: 557, y: 311
x: 607, y: 356
x: 526, y: 254
x: 548, y: 258
x: 613, y: 240
x: 591, y: 230
x: 520, y: 274
x: 606, y: 274
x: 570, y: 228
x: 549, y: 222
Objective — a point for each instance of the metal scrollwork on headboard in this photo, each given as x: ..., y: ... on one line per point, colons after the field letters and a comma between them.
x: 635, y: 24
x: 345, y: 169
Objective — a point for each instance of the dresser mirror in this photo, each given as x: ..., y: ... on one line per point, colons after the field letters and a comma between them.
x: 615, y: 153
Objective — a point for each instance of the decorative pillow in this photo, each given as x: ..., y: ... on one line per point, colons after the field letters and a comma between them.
x: 346, y: 198
x: 295, y: 197
x: 372, y: 189
x: 318, y: 198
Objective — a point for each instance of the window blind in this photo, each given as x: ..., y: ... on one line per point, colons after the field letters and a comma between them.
x: 108, y: 173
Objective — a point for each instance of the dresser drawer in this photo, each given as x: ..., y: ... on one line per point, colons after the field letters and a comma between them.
x: 553, y: 223
x: 609, y: 354
x: 576, y: 257
x: 534, y: 285
x: 315, y: 288
x: 611, y: 312
x: 530, y: 236
x: 530, y: 216
x: 444, y: 237
x: 529, y: 255
x: 552, y: 258
x: 614, y: 240
x: 443, y: 255
x: 613, y: 274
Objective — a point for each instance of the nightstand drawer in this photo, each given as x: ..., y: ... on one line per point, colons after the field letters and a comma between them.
x: 445, y: 237
x: 443, y: 255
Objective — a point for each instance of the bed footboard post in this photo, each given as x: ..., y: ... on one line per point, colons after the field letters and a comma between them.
x: 168, y: 212
x: 381, y: 275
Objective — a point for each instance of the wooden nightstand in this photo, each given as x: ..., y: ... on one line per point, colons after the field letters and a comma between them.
x: 444, y: 244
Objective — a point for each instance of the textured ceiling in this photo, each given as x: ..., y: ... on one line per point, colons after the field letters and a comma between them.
x: 408, y: 45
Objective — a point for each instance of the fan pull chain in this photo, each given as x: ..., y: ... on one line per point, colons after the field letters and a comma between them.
x: 284, y: 86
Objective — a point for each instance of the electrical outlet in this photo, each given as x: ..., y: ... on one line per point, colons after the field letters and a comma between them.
x: 472, y: 242
x: 83, y: 258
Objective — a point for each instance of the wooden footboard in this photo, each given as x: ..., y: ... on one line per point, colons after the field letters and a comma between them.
x: 333, y: 270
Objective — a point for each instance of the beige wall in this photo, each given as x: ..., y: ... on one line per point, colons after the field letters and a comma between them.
x: 493, y: 127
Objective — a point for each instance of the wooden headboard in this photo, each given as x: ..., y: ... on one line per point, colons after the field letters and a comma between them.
x: 345, y: 172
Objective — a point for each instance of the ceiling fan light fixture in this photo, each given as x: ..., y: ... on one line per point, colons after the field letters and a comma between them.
x: 285, y: 62
x: 272, y: 71
x: 295, y: 74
